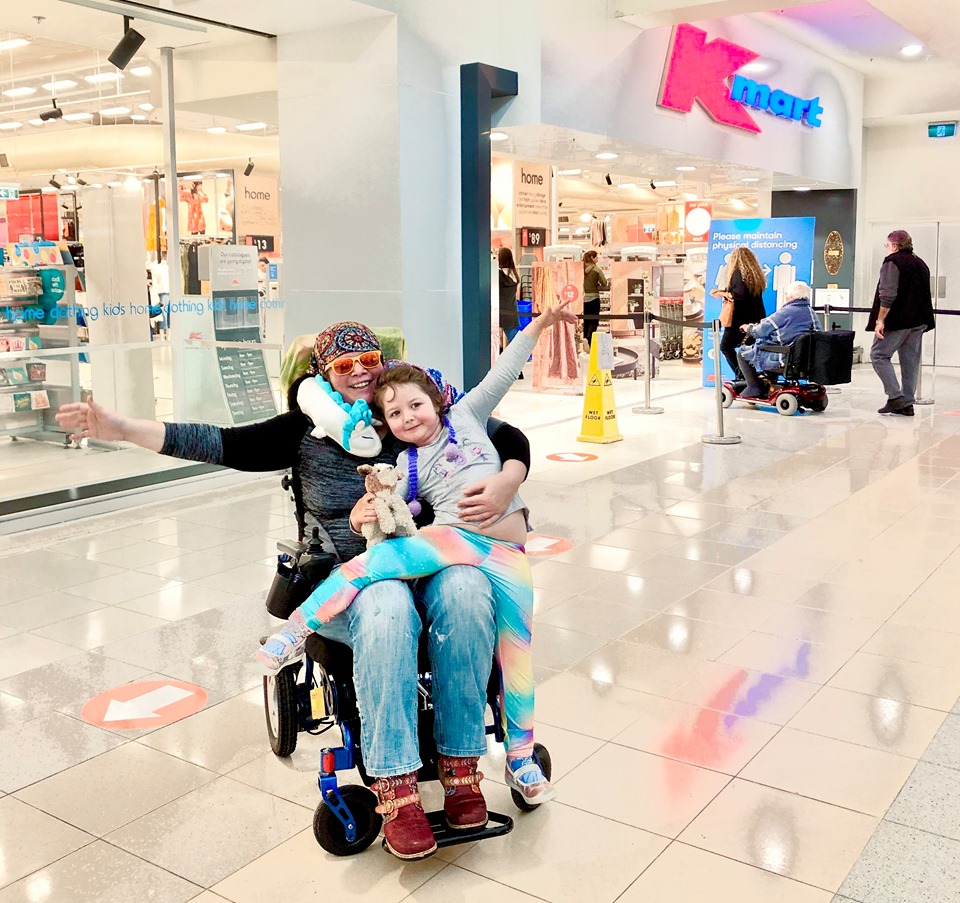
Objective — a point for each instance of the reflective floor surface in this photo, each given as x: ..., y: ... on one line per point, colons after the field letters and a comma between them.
x: 747, y: 657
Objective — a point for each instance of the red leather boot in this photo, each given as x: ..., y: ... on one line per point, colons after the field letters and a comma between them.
x: 463, y: 802
x: 405, y: 826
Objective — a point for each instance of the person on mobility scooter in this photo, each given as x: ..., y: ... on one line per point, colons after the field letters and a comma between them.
x: 787, y: 388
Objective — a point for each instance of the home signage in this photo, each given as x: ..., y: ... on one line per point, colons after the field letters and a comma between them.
x: 700, y: 70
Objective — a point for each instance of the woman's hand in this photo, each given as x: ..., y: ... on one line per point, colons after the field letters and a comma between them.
x: 485, y: 501
x: 363, y: 513
x: 90, y: 420
x: 746, y: 327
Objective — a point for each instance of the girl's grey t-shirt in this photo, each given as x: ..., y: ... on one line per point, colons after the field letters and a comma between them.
x: 440, y: 481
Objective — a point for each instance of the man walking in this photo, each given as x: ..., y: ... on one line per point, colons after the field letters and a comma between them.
x: 902, y: 312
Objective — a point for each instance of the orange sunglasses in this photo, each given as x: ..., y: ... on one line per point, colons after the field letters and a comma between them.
x: 369, y: 360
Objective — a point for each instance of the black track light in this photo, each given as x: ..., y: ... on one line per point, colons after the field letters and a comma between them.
x: 55, y: 113
x: 249, y: 167
x: 80, y: 181
x: 607, y: 179
x: 55, y: 183
x: 129, y: 44
x: 653, y: 187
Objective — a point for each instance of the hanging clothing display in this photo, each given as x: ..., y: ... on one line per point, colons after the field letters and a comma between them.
x: 556, y: 364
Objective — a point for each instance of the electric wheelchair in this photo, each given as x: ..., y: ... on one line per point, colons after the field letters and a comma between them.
x: 317, y: 693
x: 810, y: 363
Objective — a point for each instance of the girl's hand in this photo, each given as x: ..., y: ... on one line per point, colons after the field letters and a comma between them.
x: 363, y: 513
x: 557, y: 314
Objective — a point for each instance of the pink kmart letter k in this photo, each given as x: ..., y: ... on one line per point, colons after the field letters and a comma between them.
x: 697, y: 71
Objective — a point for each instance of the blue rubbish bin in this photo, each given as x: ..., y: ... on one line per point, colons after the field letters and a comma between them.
x: 524, y: 307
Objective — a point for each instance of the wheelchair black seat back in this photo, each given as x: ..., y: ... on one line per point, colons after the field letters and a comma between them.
x: 318, y: 693
x: 810, y: 363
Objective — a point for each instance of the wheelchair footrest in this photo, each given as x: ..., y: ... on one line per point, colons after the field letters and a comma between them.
x: 497, y: 825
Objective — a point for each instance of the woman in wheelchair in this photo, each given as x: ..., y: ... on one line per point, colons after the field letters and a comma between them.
x: 384, y: 625
x: 447, y: 448
x: 786, y: 325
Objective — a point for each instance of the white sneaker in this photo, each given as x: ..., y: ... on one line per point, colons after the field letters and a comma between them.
x: 524, y: 776
x: 284, y: 647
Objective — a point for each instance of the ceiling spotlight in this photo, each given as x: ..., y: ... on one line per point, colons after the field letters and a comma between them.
x: 141, y: 71
x: 912, y: 50
x: 80, y: 181
x: 802, y: 188
x: 53, y: 181
x: 569, y: 172
x: 250, y: 126
x: 249, y: 167
x: 216, y: 129
x: 129, y: 44
x: 607, y: 179
x: 10, y: 125
x: 686, y: 169
x: 13, y: 43
x: 499, y: 136
x: 115, y: 111
x: 606, y: 155
x: 55, y: 113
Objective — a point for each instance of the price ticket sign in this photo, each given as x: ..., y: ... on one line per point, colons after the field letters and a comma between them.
x: 569, y: 292
x: 533, y: 238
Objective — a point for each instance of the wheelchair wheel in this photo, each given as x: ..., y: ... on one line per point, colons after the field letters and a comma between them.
x: 787, y: 404
x: 542, y: 755
x: 329, y: 830
x: 280, y: 705
x: 727, y: 397
x: 819, y: 405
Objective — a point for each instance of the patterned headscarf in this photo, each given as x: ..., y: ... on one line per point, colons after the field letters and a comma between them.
x: 339, y: 340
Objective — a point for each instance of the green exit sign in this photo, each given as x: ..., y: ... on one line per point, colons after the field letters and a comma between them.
x: 8, y: 193
x: 941, y: 129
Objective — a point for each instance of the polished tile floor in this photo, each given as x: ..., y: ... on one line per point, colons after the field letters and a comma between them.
x: 748, y: 670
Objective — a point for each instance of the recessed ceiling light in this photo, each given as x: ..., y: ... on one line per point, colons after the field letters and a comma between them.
x: 250, y: 126
x: 60, y: 85
x: 499, y: 136
x: 114, y: 184
x: 25, y: 91
x: 48, y: 189
x: 138, y: 117
x: 750, y: 179
x: 96, y: 185
x: 216, y: 130
x: 686, y: 169
x: 569, y: 172
x: 76, y: 117
x: 13, y: 43
x: 584, y: 217
x: 802, y: 188
x: 146, y: 107
x: 72, y: 180
x: 220, y: 175
x: 115, y: 111
x: 98, y: 78
x: 131, y: 183
x: 140, y: 71
x: 10, y: 125
x: 628, y: 185
x: 606, y: 155
x: 912, y: 50
x: 35, y: 121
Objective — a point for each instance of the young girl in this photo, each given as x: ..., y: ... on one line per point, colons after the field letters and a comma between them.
x: 448, y: 449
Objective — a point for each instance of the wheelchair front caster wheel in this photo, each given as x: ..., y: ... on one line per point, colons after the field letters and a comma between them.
x: 542, y: 755
x: 280, y: 705
x: 727, y: 397
x: 330, y: 831
x: 787, y: 404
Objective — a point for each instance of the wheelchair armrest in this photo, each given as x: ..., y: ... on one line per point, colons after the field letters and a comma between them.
x: 291, y: 547
x: 776, y: 349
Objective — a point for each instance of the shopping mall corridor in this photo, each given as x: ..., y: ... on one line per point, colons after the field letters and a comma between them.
x: 747, y: 657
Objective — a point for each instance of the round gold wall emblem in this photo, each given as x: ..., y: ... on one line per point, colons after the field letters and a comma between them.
x: 833, y: 253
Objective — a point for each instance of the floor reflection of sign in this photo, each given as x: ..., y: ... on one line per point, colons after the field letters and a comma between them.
x: 541, y: 546
x: 151, y: 703
x: 571, y: 457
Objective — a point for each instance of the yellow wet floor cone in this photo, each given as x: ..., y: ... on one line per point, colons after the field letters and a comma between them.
x: 599, y: 423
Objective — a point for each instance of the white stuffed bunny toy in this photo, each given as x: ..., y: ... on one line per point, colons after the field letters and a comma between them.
x: 350, y: 426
